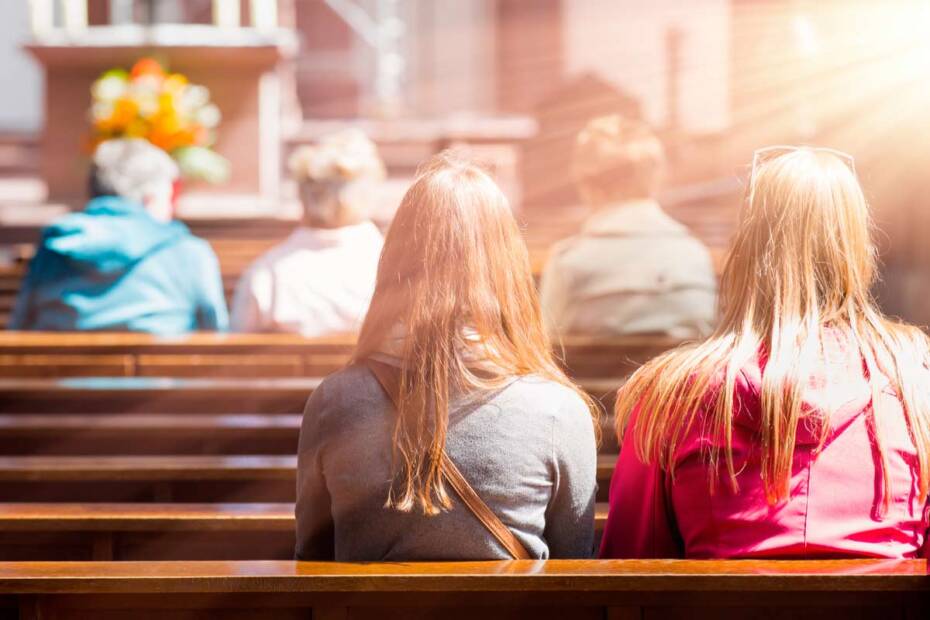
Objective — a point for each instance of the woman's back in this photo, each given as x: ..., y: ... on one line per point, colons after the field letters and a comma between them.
x: 528, y: 449
x: 801, y: 427
x: 834, y: 506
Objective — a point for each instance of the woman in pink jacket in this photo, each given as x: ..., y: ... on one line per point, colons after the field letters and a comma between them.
x: 801, y: 428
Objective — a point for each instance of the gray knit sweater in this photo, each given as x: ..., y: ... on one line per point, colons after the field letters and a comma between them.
x: 528, y: 450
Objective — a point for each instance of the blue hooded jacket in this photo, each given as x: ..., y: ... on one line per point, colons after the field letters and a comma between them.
x: 114, y: 267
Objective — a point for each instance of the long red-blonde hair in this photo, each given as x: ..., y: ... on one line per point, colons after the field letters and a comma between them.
x: 455, y: 280
x: 802, y: 261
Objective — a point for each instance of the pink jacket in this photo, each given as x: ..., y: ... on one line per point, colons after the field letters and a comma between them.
x: 834, y: 498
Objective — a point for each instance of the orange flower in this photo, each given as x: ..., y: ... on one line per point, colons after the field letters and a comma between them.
x: 147, y: 66
x: 125, y: 110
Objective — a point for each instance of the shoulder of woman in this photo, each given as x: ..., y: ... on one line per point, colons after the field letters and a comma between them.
x: 550, y: 397
x: 353, y: 387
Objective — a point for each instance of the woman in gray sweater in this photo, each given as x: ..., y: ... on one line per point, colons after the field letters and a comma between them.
x: 455, y: 315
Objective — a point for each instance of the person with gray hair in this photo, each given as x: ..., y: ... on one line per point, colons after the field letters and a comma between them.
x: 320, y: 280
x: 122, y: 264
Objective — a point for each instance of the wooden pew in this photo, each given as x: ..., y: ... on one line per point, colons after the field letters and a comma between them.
x: 53, y: 434
x: 181, y: 478
x: 126, y: 532
x: 101, y: 354
x: 232, y: 266
x: 147, y: 395
x: 238, y: 242
x: 234, y: 256
x: 50, y: 354
x: 582, y: 589
x: 67, y: 434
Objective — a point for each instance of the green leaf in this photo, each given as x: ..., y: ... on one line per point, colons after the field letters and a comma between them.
x: 202, y: 164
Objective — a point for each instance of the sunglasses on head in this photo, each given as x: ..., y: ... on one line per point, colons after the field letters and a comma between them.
x: 768, y: 153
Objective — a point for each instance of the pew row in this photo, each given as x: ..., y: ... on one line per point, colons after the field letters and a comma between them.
x: 67, y: 434
x: 175, y: 478
x: 612, y: 589
x: 126, y: 532
x: 52, y: 434
x: 237, y: 243
x: 49, y: 354
x: 148, y: 395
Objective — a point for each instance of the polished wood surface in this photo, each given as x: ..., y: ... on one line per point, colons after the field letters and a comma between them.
x: 166, y: 433
x: 128, y: 517
x: 96, y: 342
x: 199, y: 395
x: 155, y: 531
x: 161, y: 517
x: 174, y: 467
x: 147, y: 395
x: 557, y: 575
x: 132, y: 531
x: 138, y: 468
x: 69, y: 434
x: 52, y: 354
x: 611, y: 589
x: 106, y: 478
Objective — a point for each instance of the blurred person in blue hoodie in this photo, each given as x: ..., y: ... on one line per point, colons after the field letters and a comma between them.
x: 122, y: 264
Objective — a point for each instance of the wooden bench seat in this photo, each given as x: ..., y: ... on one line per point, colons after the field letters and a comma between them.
x: 219, y: 531
x: 68, y: 434
x: 182, y: 478
x: 52, y: 434
x: 127, y: 531
x: 146, y: 395
x: 214, y: 478
x: 582, y: 589
x: 51, y: 354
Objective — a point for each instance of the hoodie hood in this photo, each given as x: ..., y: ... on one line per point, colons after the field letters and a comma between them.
x: 838, y: 390
x: 110, y: 235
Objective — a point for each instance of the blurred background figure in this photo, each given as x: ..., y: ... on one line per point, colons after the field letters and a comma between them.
x: 320, y: 279
x: 122, y: 263
x: 632, y: 269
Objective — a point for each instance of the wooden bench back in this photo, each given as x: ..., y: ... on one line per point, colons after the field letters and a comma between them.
x: 37, y: 354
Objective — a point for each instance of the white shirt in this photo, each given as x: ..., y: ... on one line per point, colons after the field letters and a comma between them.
x: 316, y: 282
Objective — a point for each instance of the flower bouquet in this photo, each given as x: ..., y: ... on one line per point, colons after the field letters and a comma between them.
x: 164, y: 108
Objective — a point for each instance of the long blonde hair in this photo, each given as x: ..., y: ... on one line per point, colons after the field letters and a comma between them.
x: 455, y: 279
x: 802, y: 261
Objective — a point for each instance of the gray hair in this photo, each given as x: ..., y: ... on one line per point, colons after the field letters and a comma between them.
x: 133, y: 168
